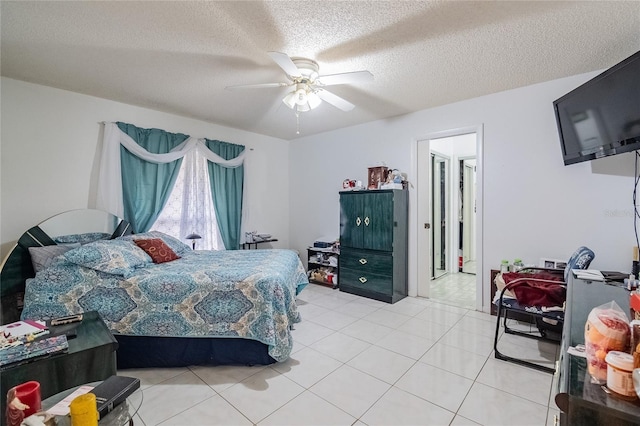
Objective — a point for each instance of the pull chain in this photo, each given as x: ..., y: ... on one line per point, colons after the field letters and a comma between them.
x: 297, y: 122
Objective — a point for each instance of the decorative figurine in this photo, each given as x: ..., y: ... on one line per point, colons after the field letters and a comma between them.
x: 15, y: 409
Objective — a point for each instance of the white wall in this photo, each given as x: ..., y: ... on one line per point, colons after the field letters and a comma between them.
x: 51, y: 143
x: 534, y: 206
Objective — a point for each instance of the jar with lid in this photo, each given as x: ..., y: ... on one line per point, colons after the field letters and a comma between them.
x: 504, y: 266
x: 517, y: 265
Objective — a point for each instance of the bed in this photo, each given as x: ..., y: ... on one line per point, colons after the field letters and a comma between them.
x: 202, y: 307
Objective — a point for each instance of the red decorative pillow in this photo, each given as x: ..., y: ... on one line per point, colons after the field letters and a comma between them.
x: 157, y: 250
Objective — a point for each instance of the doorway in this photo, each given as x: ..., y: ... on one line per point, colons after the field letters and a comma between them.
x: 447, y: 204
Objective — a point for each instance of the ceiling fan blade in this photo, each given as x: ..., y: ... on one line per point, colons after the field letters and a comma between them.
x: 284, y: 61
x: 256, y: 86
x: 335, y: 100
x: 345, y: 78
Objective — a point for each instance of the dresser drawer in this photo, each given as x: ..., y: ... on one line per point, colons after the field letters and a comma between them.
x: 366, y: 281
x: 367, y: 262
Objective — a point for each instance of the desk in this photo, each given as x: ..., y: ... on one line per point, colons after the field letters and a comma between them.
x: 580, y: 401
x: 91, y: 357
x: 247, y: 246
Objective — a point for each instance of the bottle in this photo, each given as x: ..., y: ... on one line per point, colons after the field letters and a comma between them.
x: 504, y: 266
x: 517, y: 265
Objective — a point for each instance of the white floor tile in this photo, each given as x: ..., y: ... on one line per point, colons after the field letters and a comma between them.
x: 530, y: 352
x: 440, y: 316
x: 407, y: 306
x: 490, y: 406
x: 152, y: 376
x: 308, y: 332
x: 406, y: 344
x: 331, y: 301
x: 397, y: 407
x: 213, y: 411
x: 473, y: 325
x: 449, y: 307
x: 223, y: 376
x: 309, y: 310
x: 462, y: 421
x: 307, y: 367
x: 455, y: 360
x: 308, y: 409
x: 529, y: 344
x: 340, y: 346
x: 356, y: 309
x: 367, y: 331
x: 387, y: 318
x: 333, y: 320
x: 532, y: 384
x: 476, y: 343
x: 425, y: 329
x: 163, y: 401
x: 382, y: 364
x: 483, y: 316
x: 262, y: 394
x: 350, y: 390
x: 435, y: 385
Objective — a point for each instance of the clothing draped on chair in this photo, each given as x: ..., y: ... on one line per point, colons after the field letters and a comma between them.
x: 152, y: 159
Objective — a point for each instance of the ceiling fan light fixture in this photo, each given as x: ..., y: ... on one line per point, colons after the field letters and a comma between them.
x: 301, y: 96
x: 314, y: 100
x: 290, y: 100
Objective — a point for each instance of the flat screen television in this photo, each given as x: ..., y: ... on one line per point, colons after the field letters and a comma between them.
x: 602, y: 116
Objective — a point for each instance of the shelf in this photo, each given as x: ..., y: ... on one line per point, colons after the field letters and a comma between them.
x: 324, y: 249
x: 311, y: 262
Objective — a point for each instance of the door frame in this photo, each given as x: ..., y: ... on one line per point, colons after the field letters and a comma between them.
x: 420, y: 274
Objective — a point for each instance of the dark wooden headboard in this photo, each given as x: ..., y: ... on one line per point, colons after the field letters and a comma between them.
x: 17, y: 266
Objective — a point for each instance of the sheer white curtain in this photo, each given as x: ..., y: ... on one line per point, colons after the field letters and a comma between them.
x: 189, y: 208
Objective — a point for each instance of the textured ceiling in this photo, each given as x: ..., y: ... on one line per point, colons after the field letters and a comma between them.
x: 179, y: 56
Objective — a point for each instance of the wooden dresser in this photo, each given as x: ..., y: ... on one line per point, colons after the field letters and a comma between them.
x: 373, y: 244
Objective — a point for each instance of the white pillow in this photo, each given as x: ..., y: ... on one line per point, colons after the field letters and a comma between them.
x: 42, y: 257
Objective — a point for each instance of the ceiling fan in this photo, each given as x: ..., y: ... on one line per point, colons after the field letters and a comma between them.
x: 307, y: 86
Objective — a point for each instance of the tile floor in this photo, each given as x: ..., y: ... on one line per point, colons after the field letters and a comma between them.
x: 457, y: 289
x: 360, y: 362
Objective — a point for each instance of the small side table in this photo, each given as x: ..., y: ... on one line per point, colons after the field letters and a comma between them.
x: 247, y: 246
x: 91, y: 357
x: 121, y: 415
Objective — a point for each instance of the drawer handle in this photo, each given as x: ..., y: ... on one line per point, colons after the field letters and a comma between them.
x: 358, y: 221
x: 366, y: 221
x: 363, y: 261
x: 362, y: 280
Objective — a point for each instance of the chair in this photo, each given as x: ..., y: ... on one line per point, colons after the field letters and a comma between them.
x: 536, y: 295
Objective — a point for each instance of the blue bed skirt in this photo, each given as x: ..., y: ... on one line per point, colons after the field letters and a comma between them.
x: 164, y: 352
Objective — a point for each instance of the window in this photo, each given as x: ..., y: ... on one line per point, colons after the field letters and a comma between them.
x: 189, y: 208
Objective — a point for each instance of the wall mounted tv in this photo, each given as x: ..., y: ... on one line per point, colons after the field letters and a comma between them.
x: 602, y: 116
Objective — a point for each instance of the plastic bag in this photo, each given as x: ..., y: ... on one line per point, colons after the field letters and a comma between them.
x: 606, y: 329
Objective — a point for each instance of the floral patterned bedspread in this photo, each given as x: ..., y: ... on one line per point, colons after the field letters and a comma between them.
x: 236, y: 293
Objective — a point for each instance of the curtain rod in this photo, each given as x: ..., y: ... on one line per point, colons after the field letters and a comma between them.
x: 105, y: 122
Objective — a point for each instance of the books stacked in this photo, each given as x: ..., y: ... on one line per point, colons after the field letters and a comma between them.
x: 34, y: 349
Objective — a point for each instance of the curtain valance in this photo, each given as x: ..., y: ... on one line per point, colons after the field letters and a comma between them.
x: 109, y: 194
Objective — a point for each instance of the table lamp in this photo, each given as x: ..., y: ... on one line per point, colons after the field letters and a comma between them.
x: 193, y: 237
